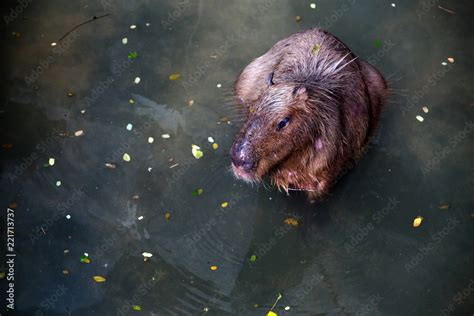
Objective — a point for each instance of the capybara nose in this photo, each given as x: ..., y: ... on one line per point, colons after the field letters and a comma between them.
x: 242, y: 157
x: 245, y: 164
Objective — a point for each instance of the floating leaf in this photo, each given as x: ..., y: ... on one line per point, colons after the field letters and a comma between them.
x: 197, y: 192
x: 224, y: 204
x: 291, y: 221
x: 147, y: 254
x: 78, y: 133
x: 174, y: 77
x: 215, y: 146
x: 213, y: 268
x: 132, y: 55
x: 253, y: 258
x: 272, y: 313
x: 136, y: 307
x: 126, y: 157
x: 85, y: 259
x: 444, y: 206
x: 196, y: 151
x: 165, y: 136
x: 98, y: 278
x: 417, y: 221
x: 378, y: 43
x: 51, y: 161
x: 167, y: 216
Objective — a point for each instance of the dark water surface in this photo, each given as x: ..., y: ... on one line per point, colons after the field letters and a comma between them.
x: 354, y: 253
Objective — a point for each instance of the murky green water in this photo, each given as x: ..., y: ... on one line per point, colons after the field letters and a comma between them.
x: 354, y: 253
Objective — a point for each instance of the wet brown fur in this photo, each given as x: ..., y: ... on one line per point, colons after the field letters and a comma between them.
x: 333, y: 100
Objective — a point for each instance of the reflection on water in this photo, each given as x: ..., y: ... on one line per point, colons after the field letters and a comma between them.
x: 354, y: 253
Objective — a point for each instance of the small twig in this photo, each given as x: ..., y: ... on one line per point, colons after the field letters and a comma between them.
x: 278, y: 298
x: 95, y: 18
x: 444, y: 9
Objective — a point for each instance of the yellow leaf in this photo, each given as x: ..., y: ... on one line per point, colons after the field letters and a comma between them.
x: 417, y: 221
x: 213, y: 268
x: 196, y: 151
x: 215, y: 145
x: 272, y: 313
x: 291, y: 221
x: 99, y: 278
x: 175, y: 76
x: 167, y: 216
x: 224, y: 204
x: 136, y: 307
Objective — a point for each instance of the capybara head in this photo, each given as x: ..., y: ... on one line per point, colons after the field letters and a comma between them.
x: 277, y: 125
x: 310, y: 106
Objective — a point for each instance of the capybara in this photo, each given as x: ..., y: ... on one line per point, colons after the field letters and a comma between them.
x: 311, y: 106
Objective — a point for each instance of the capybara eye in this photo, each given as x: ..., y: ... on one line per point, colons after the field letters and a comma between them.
x: 270, y: 79
x: 283, y: 123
